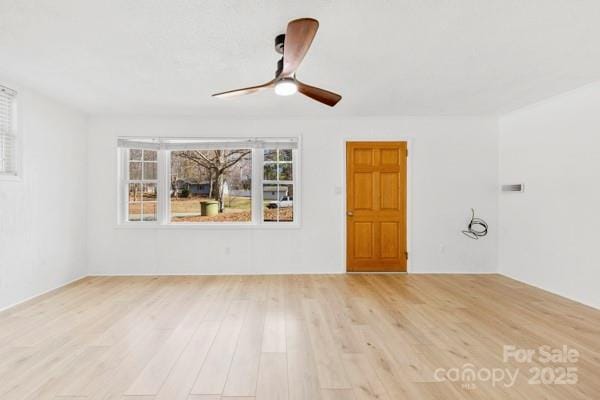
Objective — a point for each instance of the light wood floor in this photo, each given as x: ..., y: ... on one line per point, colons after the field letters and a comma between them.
x: 288, y: 337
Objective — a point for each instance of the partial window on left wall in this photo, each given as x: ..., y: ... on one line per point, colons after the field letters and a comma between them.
x: 8, y: 133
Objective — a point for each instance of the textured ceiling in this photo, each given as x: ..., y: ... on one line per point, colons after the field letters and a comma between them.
x: 403, y: 57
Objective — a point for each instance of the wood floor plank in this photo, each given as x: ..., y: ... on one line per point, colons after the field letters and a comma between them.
x: 327, y: 357
x: 274, y: 333
x: 272, y: 377
x: 215, y: 370
x: 337, y: 394
x: 243, y: 373
x: 237, y: 398
x: 363, y: 378
x: 303, y: 380
x: 180, y: 381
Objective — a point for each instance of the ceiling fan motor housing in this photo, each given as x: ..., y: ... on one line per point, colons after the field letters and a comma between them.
x: 279, y: 41
x: 279, y: 67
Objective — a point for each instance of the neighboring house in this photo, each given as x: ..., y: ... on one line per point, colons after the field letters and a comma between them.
x: 196, y: 188
x: 270, y: 192
x: 240, y: 193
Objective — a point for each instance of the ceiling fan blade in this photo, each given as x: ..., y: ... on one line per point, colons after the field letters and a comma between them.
x: 240, y: 92
x: 321, y: 95
x: 298, y: 38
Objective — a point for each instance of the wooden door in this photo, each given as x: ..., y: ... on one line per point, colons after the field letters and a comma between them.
x: 376, y: 206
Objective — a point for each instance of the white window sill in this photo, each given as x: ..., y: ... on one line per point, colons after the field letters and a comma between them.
x: 208, y: 226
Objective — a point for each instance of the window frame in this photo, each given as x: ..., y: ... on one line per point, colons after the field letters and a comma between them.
x: 278, y: 182
x: 164, y: 196
x: 142, y: 181
x: 124, y: 182
x: 167, y: 218
x: 17, y: 175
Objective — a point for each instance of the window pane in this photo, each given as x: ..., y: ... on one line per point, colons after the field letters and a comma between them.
x: 211, y: 186
x: 134, y: 212
x: 135, y: 192
x: 150, y: 155
x: 149, y: 192
x: 135, y: 155
x: 135, y: 206
x: 278, y: 198
x: 278, y: 203
x: 149, y: 209
x: 285, y: 172
x: 285, y: 155
x: 150, y: 170
x: 271, y: 202
x: 270, y: 155
x: 135, y: 170
x: 286, y: 205
x: 270, y: 172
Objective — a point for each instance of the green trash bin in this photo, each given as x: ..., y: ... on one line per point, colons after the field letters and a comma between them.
x: 209, y: 208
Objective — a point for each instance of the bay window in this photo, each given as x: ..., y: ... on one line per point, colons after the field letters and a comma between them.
x: 193, y: 181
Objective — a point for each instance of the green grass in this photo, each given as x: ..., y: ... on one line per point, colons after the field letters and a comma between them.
x: 192, y: 204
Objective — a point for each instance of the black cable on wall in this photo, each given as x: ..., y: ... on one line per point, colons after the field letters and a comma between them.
x: 477, y: 227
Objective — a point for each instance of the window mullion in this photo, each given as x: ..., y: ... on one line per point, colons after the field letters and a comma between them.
x: 257, y: 184
x: 296, y: 185
x: 162, y: 200
x: 278, y: 200
x: 124, y: 185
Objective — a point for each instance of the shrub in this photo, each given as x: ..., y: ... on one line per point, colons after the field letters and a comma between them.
x: 185, y: 193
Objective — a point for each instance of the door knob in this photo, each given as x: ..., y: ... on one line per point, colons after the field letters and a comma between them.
x: 350, y: 213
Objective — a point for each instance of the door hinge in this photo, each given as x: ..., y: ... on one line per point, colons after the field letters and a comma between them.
x: 406, y: 152
x: 406, y: 254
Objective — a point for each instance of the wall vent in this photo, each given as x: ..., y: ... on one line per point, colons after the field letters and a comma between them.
x: 519, y: 187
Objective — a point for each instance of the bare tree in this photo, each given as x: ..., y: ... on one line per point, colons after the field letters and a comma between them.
x: 217, y: 162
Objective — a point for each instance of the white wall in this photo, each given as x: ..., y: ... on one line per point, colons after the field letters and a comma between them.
x: 453, y: 168
x: 549, y: 234
x: 43, y: 217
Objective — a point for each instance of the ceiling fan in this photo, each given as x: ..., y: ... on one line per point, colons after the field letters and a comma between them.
x: 294, y: 45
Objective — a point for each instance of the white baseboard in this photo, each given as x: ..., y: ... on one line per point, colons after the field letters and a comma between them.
x: 286, y: 273
x: 555, y: 292
x: 42, y: 293
x: 224, y: 273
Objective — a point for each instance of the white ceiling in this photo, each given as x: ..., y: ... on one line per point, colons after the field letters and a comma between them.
x: 403, y: 57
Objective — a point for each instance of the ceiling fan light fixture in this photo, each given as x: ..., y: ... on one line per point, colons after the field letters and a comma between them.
x: 286, y: 87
